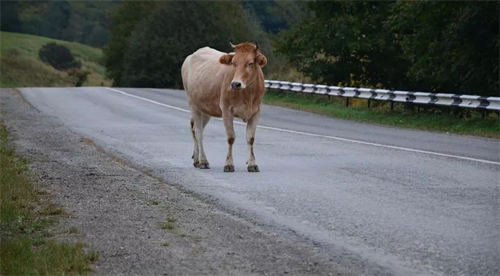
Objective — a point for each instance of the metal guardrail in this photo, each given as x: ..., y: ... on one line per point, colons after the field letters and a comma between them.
x: 467, y: 101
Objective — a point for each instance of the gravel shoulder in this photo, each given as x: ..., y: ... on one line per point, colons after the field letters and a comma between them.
x: 138, y: 223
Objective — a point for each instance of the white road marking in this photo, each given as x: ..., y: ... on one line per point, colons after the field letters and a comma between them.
x: 320, y: 135
x: 148, y: 100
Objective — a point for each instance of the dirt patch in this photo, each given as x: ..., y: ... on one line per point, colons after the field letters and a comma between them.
x: 138, y: 223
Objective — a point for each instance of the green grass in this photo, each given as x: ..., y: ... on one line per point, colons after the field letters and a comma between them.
x: 27, y: 247
x: 167, y: 225
x: 20, y: 65
x: 434, y: 120
x: 165, y: 244
x: 153, y: 202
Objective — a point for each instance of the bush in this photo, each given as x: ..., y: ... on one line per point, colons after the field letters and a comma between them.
x: 58, y: 56
x: 79, y: 75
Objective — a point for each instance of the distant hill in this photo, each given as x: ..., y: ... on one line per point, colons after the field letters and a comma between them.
x: 21, y: 66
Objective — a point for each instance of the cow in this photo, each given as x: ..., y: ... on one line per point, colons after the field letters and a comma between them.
x: 224, y: 85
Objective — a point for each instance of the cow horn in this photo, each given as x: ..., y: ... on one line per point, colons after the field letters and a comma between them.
x: 232, y: 45
x: 256, y: 46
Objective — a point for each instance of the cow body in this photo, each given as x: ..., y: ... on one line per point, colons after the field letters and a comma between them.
x: 224, y: 85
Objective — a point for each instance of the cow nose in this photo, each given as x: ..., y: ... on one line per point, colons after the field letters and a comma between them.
x: 236, y: 85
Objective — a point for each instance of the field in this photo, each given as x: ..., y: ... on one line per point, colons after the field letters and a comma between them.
x: 20, y: 65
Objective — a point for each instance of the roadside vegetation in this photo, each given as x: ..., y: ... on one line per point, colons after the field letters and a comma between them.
x: 26, y: 214
x: 442, y: 119
x: 20, y: 64
x: 434, y: 46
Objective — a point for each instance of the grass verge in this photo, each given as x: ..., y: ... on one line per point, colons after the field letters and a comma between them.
x: 26, y: 244
x: 437, y: 119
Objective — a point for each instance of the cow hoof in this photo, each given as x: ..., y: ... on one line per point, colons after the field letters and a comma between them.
x: 228, y: 168
x: 196, y: 164
x: 203, y: 166
x: 253, y: 168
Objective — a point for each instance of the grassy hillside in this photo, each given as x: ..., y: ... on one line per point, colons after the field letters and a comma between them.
x: 20, y: 65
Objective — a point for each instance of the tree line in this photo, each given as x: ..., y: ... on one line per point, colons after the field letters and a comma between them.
x: 419, y: 45
x: 440, y: 46
x: 150, y: 40
x: 81, y: 21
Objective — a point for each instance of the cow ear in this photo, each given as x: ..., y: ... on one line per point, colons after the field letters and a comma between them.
x: 261, y: 60
x: 226, y: 59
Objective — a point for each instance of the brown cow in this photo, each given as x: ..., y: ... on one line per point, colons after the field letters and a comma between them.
x: 224, y: 85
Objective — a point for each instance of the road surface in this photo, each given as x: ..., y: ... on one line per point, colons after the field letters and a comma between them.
x: 389, y: 200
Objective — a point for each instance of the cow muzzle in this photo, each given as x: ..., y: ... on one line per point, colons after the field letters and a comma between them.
x: 237, y: 85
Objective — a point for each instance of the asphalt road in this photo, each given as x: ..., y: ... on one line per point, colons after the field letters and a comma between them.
x: 388, y: 200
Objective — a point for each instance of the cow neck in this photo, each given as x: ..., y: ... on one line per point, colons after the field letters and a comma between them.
x: 259, y: 77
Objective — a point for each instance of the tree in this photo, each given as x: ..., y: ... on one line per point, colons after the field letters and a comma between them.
x: 275, y: 16
x: 424, y: 45
x: 9, y: 16
x: 152, y: 53
x: 451, y: 46
x: 82, y: 21
x: 344, y: 43
x: 124, y: 20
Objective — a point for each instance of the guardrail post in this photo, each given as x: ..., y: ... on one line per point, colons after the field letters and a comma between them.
x: 369, y: 102
x: 392, y: 105
x: 347, y: 102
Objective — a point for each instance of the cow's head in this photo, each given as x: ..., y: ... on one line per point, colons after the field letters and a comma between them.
x: 247, y: 61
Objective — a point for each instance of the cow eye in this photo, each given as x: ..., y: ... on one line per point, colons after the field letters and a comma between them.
x: 250, y: 64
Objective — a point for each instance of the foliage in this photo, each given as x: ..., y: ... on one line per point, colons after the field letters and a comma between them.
x: 433, y: 46
x: 79, y: 75
x: 58, y: 56
x: 147, y: 47
x: 451, y: 46
x: 124, y: 18
x: 275, y: 16
x: 343, y: 44
x: 82, y: 21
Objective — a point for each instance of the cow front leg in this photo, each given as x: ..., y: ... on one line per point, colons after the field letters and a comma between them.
x: 228, y: 125
x: 251, y: 127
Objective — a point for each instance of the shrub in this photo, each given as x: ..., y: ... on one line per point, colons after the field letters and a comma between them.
x: 58, y: 56
x: 79, y: 75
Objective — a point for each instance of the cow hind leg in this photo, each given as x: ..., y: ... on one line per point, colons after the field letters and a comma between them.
x: 200, y: 121
x: 195, y: 155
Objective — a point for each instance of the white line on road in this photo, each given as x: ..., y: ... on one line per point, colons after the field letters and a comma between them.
x: 148, y: 100
x: 320, y: 135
